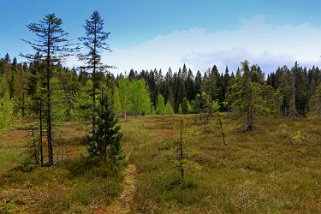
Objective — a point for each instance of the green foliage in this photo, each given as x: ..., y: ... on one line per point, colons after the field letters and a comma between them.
x: 92, y: 167
x: 106, y: 141
x: 123, y: 94
x: 75, y: 187
x: 59, y: 108
x: 160, y: 107
x: 298, y: 138
x: 202, y: 105
x: 216, y: 106
x: 315, y: 102
x: 139, y: 97
x: 246, y: 94
x: 95, y: 42
x: 117, y: 101
x: 186, y: 106
x: 182, y: 160
x: 82, y: 105
x: 51, y: 47
x: 168, y: 109
x: 20, y: 95
x: 6, y: 105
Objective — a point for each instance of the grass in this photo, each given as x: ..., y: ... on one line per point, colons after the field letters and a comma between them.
x: 81, y: 185
x: 77, y: 184
x: 12, y: 146
x: 257, y: 172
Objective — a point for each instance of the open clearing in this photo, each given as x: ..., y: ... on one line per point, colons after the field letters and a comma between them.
x: 256, y: 172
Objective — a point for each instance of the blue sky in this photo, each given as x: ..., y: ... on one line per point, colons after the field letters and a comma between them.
x: 162, y: 33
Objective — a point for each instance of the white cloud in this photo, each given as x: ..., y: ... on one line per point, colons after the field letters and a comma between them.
x: 255, y: 40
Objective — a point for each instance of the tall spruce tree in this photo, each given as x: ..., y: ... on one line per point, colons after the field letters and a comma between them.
x: 95, y: 42
x: 51, y: 46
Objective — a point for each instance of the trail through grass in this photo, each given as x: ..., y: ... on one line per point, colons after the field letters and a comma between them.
x: 257, y: 172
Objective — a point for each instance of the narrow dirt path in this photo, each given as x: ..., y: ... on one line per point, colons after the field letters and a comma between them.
x: 122, y: 204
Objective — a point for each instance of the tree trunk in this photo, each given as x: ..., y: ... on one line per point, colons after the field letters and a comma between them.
x: 49, y: 116
x: 94, y: 86
x: 49, y: 122
x: 34, y: 145
x: 222, y: 130
x: 40, y: 133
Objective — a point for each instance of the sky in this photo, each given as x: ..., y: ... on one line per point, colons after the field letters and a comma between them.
x: 148, y: 34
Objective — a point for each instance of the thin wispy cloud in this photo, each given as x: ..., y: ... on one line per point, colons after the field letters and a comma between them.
x: 255, y: 39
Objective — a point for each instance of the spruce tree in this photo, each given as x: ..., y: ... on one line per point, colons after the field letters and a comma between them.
x: 51, y: 47
x: 95, y: 42
x: 106, y: 142
x: 245, y: 94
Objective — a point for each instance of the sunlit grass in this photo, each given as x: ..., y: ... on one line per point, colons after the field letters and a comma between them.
x: 257, y: 172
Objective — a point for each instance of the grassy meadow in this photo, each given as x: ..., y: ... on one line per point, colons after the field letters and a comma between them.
x: 257, y: 172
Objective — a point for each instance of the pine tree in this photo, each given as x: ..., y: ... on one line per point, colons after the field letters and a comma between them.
x: 95, y: 42
x: 51, y: 47
x: 106, y: 142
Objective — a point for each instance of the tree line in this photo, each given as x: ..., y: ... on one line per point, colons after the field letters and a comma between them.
x: 289, y: 92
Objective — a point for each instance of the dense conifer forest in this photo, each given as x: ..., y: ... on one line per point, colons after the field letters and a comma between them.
x: 287, y: 92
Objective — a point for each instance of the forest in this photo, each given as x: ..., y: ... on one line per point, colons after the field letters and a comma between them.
x: 86, y: 140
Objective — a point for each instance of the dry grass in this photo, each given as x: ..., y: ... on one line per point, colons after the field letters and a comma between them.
x: 257, y: 172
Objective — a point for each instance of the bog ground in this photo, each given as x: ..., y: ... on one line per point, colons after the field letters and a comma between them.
x: 257, y: 172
